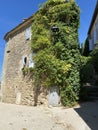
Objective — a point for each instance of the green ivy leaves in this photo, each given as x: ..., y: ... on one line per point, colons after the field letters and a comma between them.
x: 57, y: 57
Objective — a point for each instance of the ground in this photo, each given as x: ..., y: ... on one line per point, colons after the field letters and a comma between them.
x: 82, y: 117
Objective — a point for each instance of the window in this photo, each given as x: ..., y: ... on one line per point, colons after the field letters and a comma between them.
x: 28, y: 33
x: 8, y: 51
x: 95, y: 36
x: 97, y: 32
x: 90, y: 45
x: 25, y: 60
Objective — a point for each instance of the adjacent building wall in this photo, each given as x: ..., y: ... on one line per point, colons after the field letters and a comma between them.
x: 93, y: 36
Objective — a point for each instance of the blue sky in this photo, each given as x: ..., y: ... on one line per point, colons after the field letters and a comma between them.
x: 13, y: 11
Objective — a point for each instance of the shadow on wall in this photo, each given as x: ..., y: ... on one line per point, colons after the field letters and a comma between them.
x: 36, y: 94
x: 88, y: 111
x: 40, y: 95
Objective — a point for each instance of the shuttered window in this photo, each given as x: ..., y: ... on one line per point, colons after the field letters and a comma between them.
x: 31, y: 61
x: 28, y: 33
x: 95, y: 36
x: 90, y: 45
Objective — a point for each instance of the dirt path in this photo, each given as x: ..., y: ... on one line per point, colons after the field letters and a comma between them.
x: 14, y: 117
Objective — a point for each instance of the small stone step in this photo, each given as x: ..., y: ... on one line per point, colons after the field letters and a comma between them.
x: 92, y: 93
x: 92, y: 98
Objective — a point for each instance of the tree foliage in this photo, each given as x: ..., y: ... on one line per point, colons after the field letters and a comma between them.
x: 94, y: 55
x: 86, y: 73
x: 85, y: 48
x: 57, y: 59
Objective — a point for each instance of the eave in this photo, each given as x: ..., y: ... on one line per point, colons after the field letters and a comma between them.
x: 17, y: 28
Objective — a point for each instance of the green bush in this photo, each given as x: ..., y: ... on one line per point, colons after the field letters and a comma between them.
x: 94, y: 55
x: 69, y: 97
x: 87, y: 69
x: 25, y: 70
x: 85, y: 48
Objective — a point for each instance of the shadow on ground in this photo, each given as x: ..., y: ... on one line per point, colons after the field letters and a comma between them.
x: 88, y: 111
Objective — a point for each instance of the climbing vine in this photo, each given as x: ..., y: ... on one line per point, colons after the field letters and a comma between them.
x: 57, y: 54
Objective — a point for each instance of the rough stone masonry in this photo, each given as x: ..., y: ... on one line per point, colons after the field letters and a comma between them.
x: 15, y: 87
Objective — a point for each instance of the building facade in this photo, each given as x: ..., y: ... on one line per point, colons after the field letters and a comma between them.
x: 15, y: 87
x: 93, y: 30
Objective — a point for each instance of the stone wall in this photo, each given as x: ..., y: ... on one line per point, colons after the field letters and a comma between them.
x: 17, y: 88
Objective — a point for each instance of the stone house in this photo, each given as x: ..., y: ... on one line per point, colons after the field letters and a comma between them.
x: 93, y: 30
x: 17, y: 87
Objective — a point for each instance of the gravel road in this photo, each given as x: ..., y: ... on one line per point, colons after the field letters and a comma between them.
x: 15, y: 117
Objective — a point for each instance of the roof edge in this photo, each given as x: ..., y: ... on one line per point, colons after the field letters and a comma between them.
x: 21, y: 25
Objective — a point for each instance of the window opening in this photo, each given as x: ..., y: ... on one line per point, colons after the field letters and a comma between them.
x: 8, y: 51
x: 25, y: 60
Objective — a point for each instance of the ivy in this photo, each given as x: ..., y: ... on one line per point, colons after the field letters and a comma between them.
x: 57, y: 60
